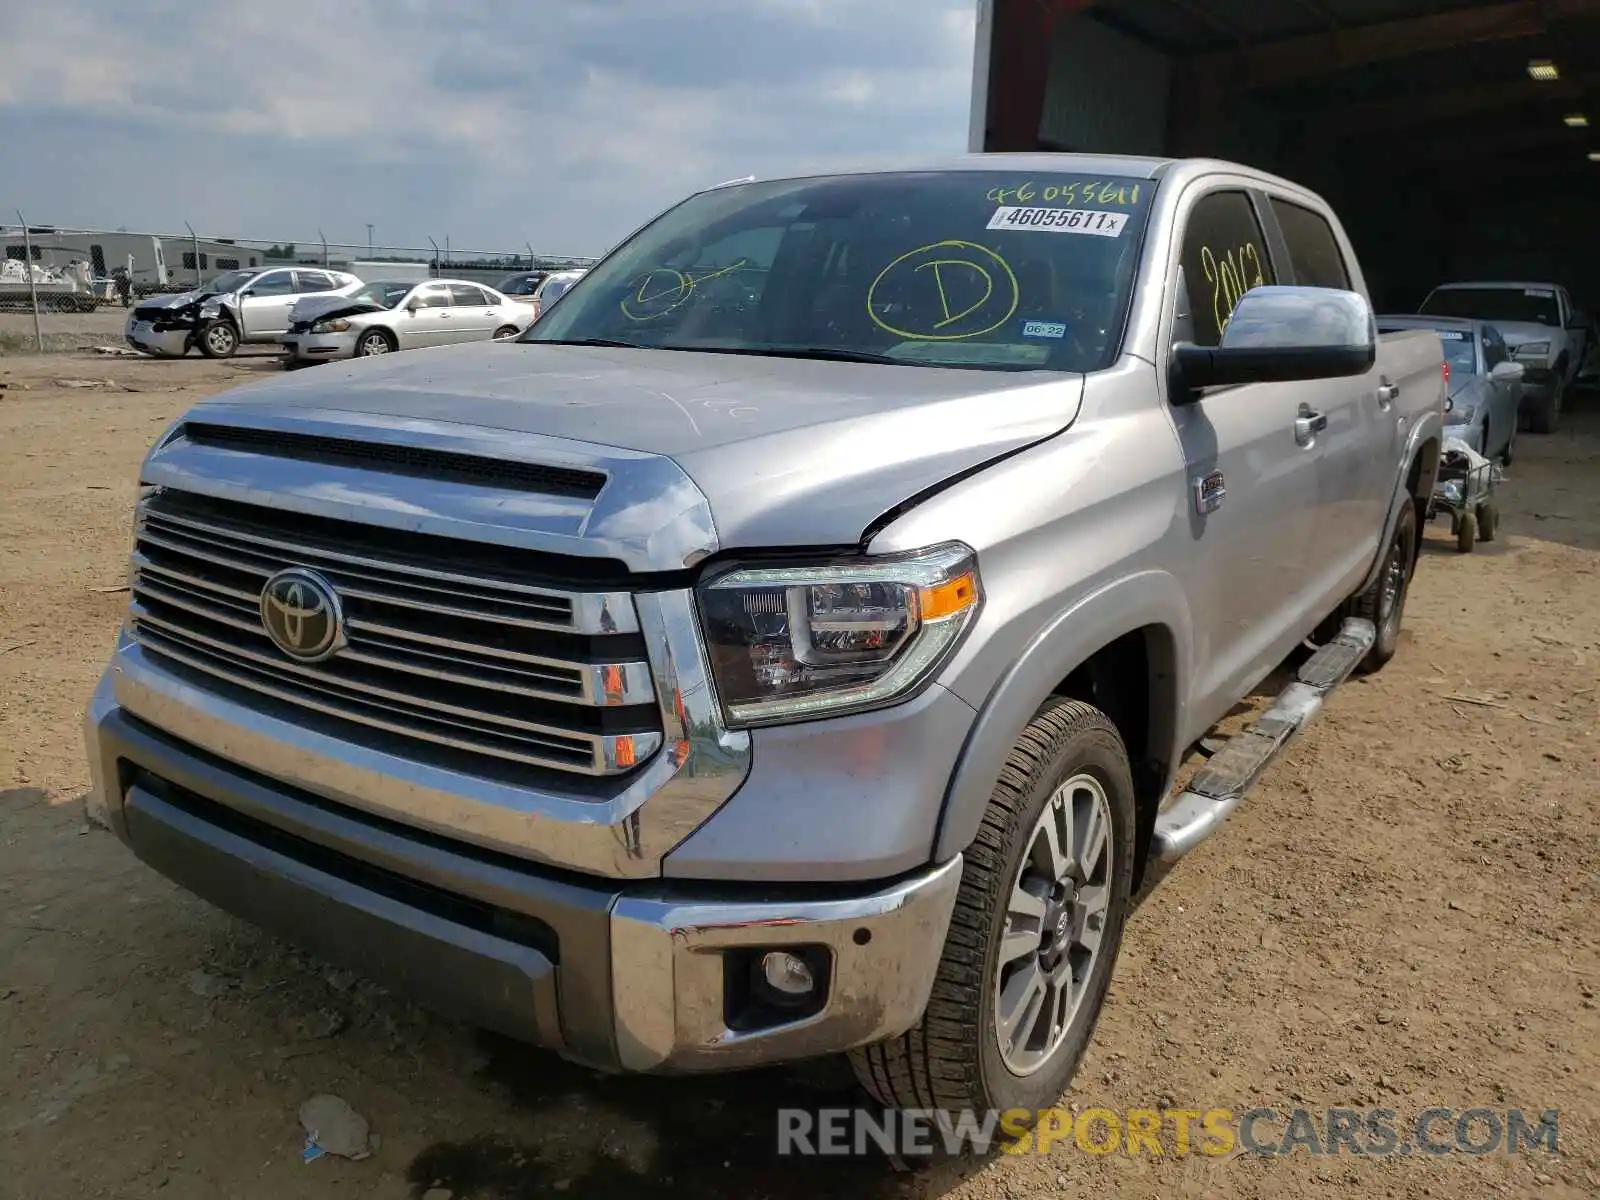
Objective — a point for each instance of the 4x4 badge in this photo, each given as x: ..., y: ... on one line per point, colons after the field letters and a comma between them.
x: 1209, y: 493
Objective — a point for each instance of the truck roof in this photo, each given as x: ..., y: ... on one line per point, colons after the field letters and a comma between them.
x: 1497, y: 283
x: 1129, y: 165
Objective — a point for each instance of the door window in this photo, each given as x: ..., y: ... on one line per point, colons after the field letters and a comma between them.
x: 467, y: 296
x: 1224, y: 256
x: 434, y: 297
x: 313, y: 281
x: 1313, y: 250
x: 278, y: 283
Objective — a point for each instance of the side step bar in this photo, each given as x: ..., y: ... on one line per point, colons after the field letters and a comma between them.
x: 1217, y: 787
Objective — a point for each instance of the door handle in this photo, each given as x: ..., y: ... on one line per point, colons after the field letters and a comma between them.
x: 1307, y: 425
x: 1387, y: 393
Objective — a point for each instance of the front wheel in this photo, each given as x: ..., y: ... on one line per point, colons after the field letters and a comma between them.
x: 372, y: 343
x: 219, y: 339
x: 1038, y: 921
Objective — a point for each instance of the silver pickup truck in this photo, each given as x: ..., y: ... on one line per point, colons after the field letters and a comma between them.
x: 790, y: 645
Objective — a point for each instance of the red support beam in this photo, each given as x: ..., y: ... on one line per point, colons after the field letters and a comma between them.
x: 1019, y: 72
x: 1287, y: 60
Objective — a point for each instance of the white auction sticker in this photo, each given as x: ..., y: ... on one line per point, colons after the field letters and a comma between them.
x: 1060, y: 220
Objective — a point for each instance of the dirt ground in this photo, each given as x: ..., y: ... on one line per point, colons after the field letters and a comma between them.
x: 1404, y: 914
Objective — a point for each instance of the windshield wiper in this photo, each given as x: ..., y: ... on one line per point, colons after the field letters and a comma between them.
x: 823, y: 353
x: 590, y: 342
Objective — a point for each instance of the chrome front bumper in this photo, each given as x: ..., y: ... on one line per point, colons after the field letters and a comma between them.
x: 636, y: 976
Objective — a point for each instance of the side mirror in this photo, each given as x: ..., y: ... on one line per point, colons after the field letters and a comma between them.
x: 1508, y: 371
x: 412, y: 305
x: 247, y: 293
x: 1282, y: 334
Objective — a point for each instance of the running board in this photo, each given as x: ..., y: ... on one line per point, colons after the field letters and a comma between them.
x: 1217, y: 787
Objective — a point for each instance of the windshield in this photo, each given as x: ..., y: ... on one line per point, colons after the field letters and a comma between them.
x: 1458, y: 348
x: 554, y: 290
x: 984, y: 270
x: 1525, y: 305
x: 386, y: 294
x: 230, y: 281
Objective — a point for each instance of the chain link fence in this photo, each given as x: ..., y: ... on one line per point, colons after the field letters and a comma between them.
x: 64, y: 288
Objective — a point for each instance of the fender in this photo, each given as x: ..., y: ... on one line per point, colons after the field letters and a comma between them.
x: 1429, y: 425
x: 1095, y: 621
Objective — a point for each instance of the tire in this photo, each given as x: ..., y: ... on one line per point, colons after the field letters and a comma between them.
x: 506, y: 331
x: 1467, y: 532
x: 1543, y: 418
x: 374, y: 342
x: 954, y: 1059
x: 1511, y: 447
x: 1384, y: 602
x: 218, y: 339
x: 1488, y: 521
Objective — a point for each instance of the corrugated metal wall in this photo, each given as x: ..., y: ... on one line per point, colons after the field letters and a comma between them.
x: 1107, y: 93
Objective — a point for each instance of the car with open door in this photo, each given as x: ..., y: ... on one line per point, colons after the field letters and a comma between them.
x: 235, y: 308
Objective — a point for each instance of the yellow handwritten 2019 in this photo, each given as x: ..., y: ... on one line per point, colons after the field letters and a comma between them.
x: 1092, y: 192
x: 1231, y: 277
x: 946, y: 266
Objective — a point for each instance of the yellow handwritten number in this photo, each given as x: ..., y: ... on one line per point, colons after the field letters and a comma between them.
x: 1238, y: 271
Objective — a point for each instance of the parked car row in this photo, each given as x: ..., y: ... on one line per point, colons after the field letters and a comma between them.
x: 319, y: 314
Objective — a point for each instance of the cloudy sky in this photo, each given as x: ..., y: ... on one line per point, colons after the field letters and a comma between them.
x: 563, y: 123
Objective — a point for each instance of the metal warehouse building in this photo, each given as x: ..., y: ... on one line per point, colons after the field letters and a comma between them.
x: 1456, y: 138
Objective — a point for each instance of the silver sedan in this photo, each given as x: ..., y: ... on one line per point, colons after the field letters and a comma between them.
x: 1484, y: 386
x: 383, y: 317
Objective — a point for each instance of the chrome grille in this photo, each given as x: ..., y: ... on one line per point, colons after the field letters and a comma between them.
x: 441, y: 651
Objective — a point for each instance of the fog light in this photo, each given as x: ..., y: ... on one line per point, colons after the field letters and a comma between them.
x: 787, y: 974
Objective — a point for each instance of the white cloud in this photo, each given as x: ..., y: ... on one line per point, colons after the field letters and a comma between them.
x: 560, y: 122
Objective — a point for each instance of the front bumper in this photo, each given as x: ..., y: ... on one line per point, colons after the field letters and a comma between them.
x: 167, y: 343
x: 318, y: 347
x: 644, y: 977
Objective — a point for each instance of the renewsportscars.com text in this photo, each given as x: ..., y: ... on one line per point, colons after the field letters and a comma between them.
x: 1266, y: 1132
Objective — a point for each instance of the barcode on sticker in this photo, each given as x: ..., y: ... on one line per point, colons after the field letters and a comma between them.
x: 1060, y: 220
x: 1454, y: 335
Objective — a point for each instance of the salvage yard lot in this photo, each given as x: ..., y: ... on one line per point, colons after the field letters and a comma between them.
x: 1405, y: 914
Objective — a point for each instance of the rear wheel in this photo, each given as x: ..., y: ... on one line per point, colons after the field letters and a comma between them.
x: 219, y: 339
x: 1384, y: 601
x: 1488, y: 521
x: 1034, y: 937
x: 505, y: 331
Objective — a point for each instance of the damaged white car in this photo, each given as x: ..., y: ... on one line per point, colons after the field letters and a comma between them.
x: 385, y: 316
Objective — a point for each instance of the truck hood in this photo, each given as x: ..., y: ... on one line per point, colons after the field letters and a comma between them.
x: 785, y: 452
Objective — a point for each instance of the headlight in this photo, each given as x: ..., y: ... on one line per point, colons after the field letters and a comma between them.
x: 1531, y: 350
x: 337, y: 325
x: 797, y: 642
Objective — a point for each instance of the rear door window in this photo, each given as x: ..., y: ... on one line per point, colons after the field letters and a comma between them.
x: 1224, y: 256
x: 1313, y: 250
x: 467, y: 296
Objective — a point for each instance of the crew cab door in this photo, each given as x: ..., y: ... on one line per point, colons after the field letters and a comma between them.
x: 1360, y: 447
x: 1253, y: 572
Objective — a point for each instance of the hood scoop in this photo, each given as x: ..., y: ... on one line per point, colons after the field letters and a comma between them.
x: 417, y: 462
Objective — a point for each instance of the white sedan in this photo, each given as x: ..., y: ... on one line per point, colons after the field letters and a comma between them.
x: 383, y: 317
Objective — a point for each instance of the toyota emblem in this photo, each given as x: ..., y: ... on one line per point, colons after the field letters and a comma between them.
x: 300, y: 612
